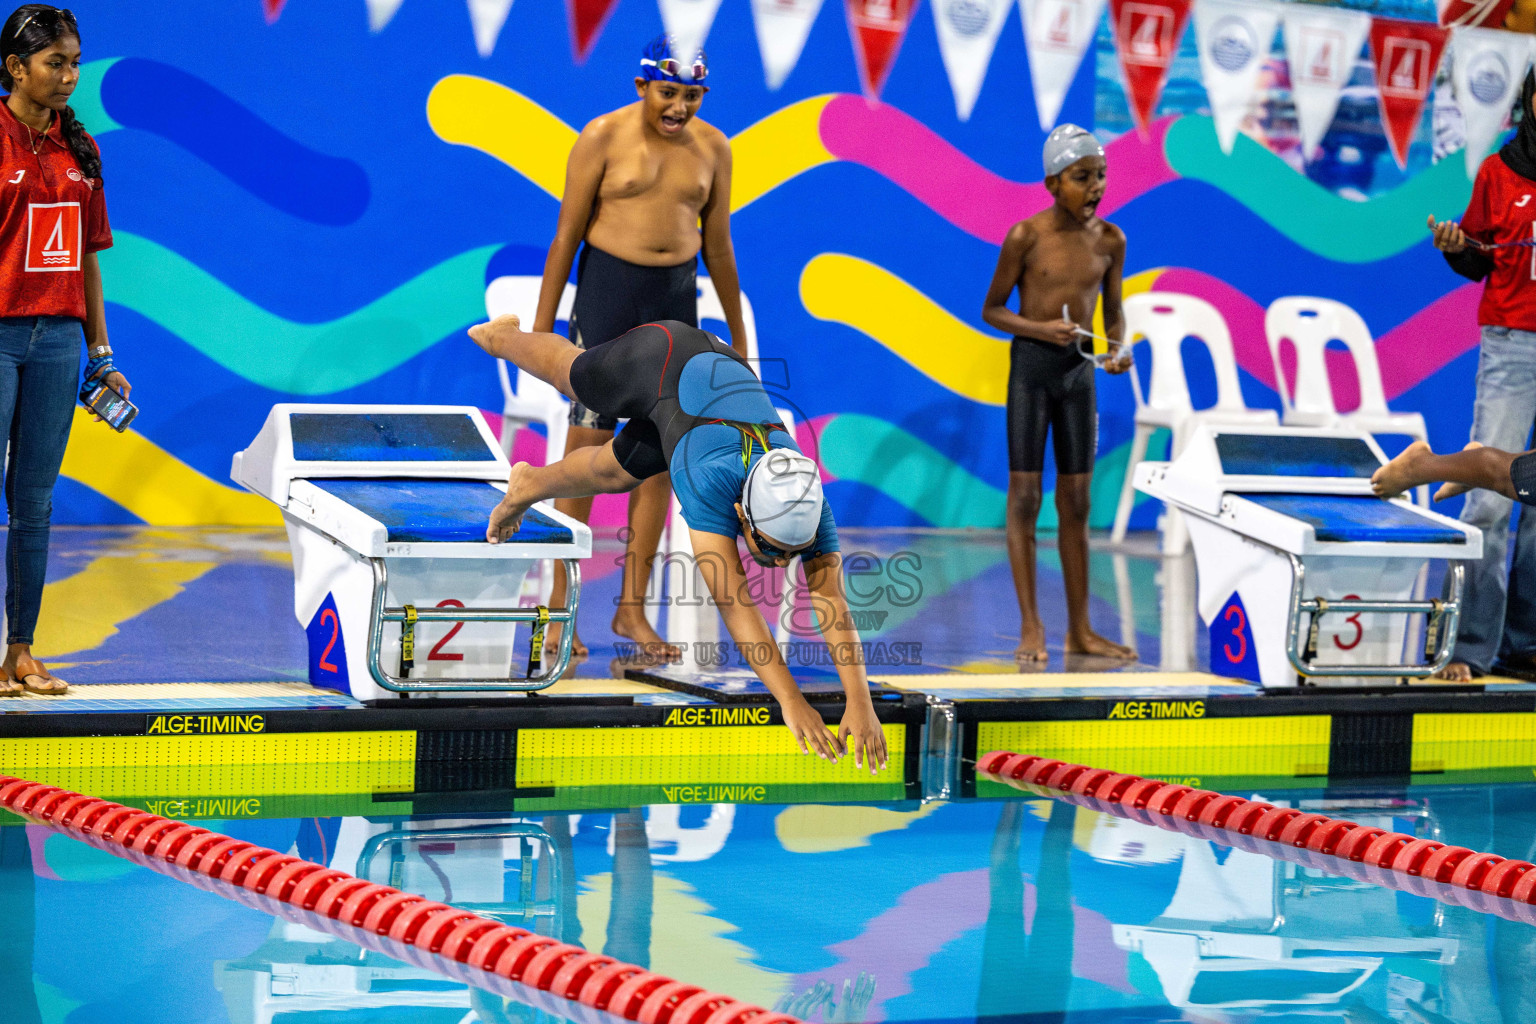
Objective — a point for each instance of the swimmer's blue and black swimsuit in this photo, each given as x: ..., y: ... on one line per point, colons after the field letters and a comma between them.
x: 1050, y: 389
x: 613, y: 295
x: 695, y: 407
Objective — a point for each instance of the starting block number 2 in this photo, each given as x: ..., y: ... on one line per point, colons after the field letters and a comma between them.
x: 437, y: 653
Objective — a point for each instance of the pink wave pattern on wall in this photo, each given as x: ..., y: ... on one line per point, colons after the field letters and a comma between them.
x: 977, y: 201
x: 1409, y: 353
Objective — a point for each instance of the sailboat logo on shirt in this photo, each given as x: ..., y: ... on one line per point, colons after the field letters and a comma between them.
x: 53, y: 237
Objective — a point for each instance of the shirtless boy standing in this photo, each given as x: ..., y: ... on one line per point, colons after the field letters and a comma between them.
x: 638, y: 185
x: 1061, y: 257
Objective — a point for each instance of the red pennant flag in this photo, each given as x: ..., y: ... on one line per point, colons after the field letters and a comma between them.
x: 1473, y: 13
x: 272, y: 8
x: 1147, y: 34
x: 587, y: 18
x: 1406, y: 55
x: 877, y: 28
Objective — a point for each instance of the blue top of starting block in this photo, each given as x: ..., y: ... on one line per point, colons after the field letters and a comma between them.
x: 438, y: 511
x: 387, y: 437
x: 1359, y: 518
x: 1295, y: 455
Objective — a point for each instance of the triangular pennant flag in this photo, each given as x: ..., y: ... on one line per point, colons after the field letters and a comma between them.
x: 487, y: 17
x: 1056, y: 35
x: 782, y: 29
x: 380, y: 11
x: 1147, y: 36
x: 1487, y: 71
x: 688, y: 22
x: 587, y: 18
x: 877, y: 28
x: 1234, y: 38
x: 1322, y: 45
x: 968, y: 31
x: 1472, y: 13
x: 272, y: 8
x: 1406, y: 55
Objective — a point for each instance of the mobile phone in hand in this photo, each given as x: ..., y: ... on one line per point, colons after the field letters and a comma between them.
x: 108, y: 403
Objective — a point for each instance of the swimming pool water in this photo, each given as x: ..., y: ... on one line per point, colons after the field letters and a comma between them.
x: 1024, y: 910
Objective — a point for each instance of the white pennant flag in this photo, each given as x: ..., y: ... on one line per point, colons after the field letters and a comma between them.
x: 487, y: 17
x: 1234, y: 38
x: 782, y: 29
x: 380, y: 11
x: 1322, y: 46
x: 688, y: 23
x: 1487, y: 70
x: 968, y: 31
x: 1056, y: 34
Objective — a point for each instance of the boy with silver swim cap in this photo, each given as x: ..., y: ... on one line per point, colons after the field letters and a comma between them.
x: 1061, y: 260
x: 696, y: 409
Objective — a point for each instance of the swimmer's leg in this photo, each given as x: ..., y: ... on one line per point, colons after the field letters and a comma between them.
x: 648, y: 507
x: 585, y: 472
x: 1475, y: 467
x: 546, y: 356
x: 1072, y: 491
x: 1023, y: 510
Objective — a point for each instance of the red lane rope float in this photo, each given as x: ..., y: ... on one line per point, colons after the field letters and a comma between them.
x: 1451, y: 874
x: 413, y: 922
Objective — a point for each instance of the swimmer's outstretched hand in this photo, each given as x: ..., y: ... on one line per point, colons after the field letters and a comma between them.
x: 810, y: 731
x: 1448, y: 235
x: 860, y: 725
x: 494, y: 335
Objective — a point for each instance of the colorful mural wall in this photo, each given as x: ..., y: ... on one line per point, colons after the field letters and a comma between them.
x: 308, y: 209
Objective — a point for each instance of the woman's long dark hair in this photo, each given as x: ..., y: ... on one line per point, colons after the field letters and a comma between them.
x: 30, y: 29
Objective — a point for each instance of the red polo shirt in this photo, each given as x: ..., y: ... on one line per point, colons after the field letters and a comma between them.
x: 51, y: 215
x: 1503, y: 209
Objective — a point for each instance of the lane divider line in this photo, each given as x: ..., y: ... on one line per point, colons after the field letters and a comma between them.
x: 1484, y: 882
x: 511, y: 953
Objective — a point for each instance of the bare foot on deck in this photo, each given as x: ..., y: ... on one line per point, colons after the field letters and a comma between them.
x: 1456, y: 672
x: 1398, y: 475
x: 1031, y: 643
x: 630, y: 623
x: 552, y: 642
x: 1451, y: 490
x: 507, y: 516
x: 1089, y: 642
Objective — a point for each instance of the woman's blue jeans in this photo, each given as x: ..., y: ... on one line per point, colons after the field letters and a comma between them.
x: 39, y: 382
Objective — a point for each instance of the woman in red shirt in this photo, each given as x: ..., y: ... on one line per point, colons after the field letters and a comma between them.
x: 53, y: 220
x: 1493, y: 244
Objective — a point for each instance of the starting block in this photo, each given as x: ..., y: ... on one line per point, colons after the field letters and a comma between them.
x: 1287, y: 533
x: 386, y: 508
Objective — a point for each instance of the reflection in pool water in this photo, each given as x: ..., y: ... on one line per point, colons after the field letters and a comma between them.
x: 1032, y: 910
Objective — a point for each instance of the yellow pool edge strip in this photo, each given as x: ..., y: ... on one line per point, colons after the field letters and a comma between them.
x: 31, y: 756
x: 1475, y: 741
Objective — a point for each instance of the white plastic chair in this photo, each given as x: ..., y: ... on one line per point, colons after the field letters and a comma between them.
x: 1165, y: 319
x: 1310, y: 323
x: 532, y: 401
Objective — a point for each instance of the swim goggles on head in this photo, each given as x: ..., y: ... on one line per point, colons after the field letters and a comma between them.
x: 60, y: 15
x: 673, y: 68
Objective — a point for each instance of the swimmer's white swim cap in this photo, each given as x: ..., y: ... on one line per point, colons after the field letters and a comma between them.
x: 782, y: 497
x: 1066, y: 145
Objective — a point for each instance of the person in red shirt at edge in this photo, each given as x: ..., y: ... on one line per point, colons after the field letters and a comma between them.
x: 53, y: 220
x: 1493, y: 244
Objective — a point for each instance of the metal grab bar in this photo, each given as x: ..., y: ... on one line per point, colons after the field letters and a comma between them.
x: 566, y: 617
x: 1449, y: 609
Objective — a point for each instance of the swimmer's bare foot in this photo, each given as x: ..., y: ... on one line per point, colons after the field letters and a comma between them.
x: 552, y: 643
x: 496, y: 335
x: 630, y: 623
x: 1399, y: 475
x: 1089, y: 642
x: 1031, y: 643
x: 1456, y: 672
x: 507, y: 516
x: 1451, y: 490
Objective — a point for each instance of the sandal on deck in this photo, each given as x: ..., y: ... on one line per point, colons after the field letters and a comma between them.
x: 36, y: 678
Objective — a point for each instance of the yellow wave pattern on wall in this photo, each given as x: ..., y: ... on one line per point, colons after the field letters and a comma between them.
x: 470, y: 111
x: 153, y: 484
x: 83, y: 611
x: 871, y: 299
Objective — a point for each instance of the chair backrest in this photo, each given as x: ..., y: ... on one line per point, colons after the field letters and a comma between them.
x: 1165, y: 319
x: 519, y: 294
x: 1308, y: 325
x: 1311, y: 323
